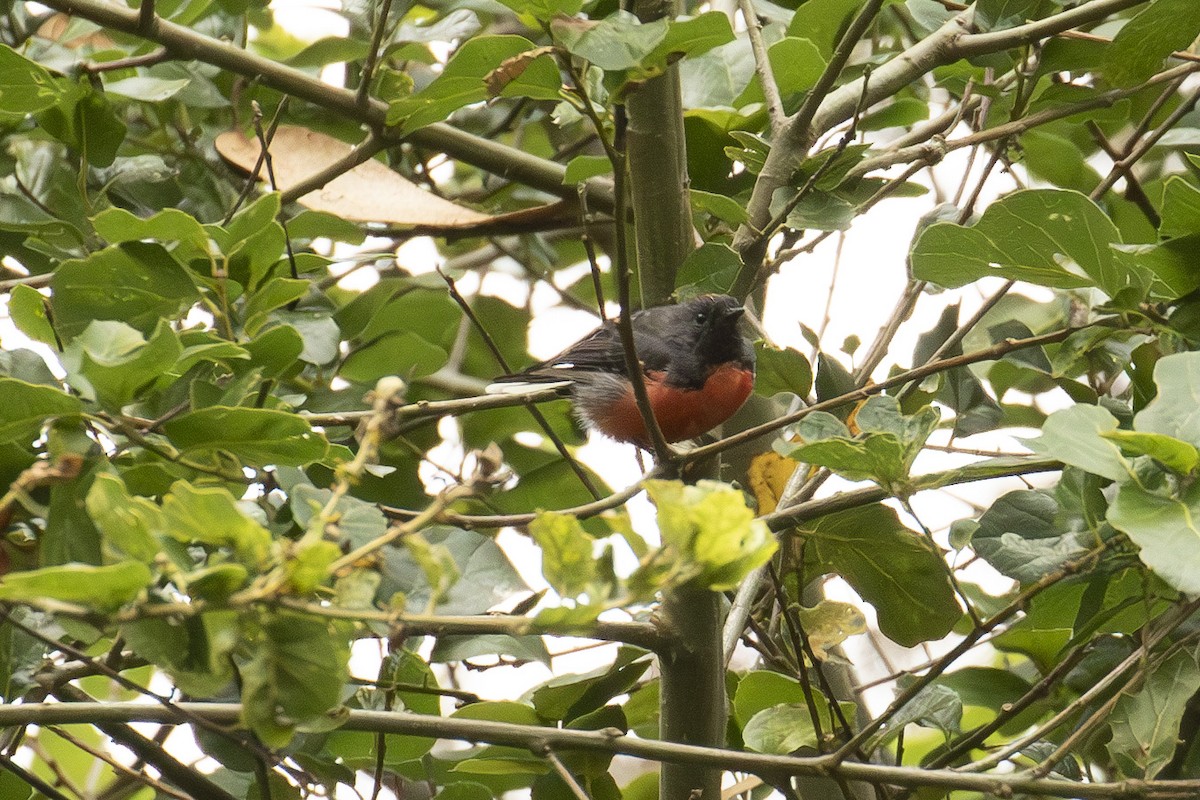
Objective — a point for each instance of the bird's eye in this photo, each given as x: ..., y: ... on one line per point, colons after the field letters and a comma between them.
x: 701, y: 317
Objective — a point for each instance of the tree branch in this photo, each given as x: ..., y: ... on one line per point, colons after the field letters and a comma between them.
x: 535, y: 738
x: 181, y: 42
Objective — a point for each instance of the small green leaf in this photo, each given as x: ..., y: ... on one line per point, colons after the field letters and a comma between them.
x: 460, y: 83
x: 781, y: 729
x: 27, y: 409
x: 781, y: 370
x: 257, y: 436
x: 27, y: 308
x: 109, y: 361
x: 210, y: 515
x: 1165, y: 529
x: 196, y: 652
x: 100, y: 588
x: 937, y: 707
x: 138, y: 283
x: 822, y: 22
x: 131, y: 524
x: 762, y: 689
x: 1173, y: 410
x: 615, y: 43
x: 580, y: 168
x: 688, y: 37
x: 545, y: 10
x: 1145, y: 723
x: 1181, y: 457
x: 169, y: 225
x: 1076, y: 436
x: 25, y: 87
x: 295, y: 676
x: 567, y: 560
x: 993, y: 15
x: 1139, y: 48
x: 709, y: 269
x: 723, y: 208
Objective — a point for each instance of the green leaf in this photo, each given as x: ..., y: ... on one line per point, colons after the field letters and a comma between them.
x: 1180, y: 209
x: 270, y: 295
x: 1049, y: 237
x: 781, y: 370
x: 993, y: 15
x: 781, y: 729
x: 1173, y: 411
x: 1165, y: 529
x: 295, y: 677
x: 1077, y: 436
x: 169, y: 225
x: 688, y: 37
x: 109, y: 361
x: 403, y: 353
x: 937, y: 707
x: 1181, y: 457
x: 816, y: 210
x: 796, y: 63
x: 709, y: 269
x: 25, y: 87
x: 566, y: 698
x: 130, y: 524
x: 885, y: 450
x: 567, y: 561
x: 714, y: 538
x: 210, y: 515
x: 486, y: 576
x: 27, y: 308
x: 100, y: 588
x: 615, y: 43
x: 1139, y: 48
x: 27, y: 409
x: 1145, y: 724
x: 138, y: 283
x: 147, y: 88
x: 896, y: 570
x: 723, y: 208
x: 256, y: 436
x: 1025, y: 535
x: 99, y: 130
x: 760, y: 690
x: 196, y: 651
x: 545, y: 10
x: 580, y: 168
x: 823, y: 21
x: 460, y: 83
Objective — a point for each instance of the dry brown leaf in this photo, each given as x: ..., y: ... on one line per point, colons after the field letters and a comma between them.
x: 369, y: 192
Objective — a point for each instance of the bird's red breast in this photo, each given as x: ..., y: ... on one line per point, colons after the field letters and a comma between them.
x: 698, y: 370
x: 680, y: 413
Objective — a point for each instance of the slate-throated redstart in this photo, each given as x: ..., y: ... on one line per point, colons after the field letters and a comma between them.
x: 698, y: 370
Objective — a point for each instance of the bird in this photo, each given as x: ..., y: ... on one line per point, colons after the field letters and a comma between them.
x: 697, y: 366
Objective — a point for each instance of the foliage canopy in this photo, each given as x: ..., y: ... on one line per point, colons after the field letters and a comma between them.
x: 219, y: 485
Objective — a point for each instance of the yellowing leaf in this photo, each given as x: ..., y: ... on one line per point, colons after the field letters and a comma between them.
x: 768, y: 475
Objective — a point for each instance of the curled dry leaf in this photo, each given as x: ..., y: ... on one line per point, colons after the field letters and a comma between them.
x: 370, y: 191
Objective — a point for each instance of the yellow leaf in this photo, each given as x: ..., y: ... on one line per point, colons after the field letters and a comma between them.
x: 769, y: 473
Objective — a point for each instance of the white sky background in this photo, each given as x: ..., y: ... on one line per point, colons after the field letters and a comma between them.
x: 870, y: 276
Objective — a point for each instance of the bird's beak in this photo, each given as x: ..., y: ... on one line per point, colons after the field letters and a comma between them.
x: 734, y: 313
